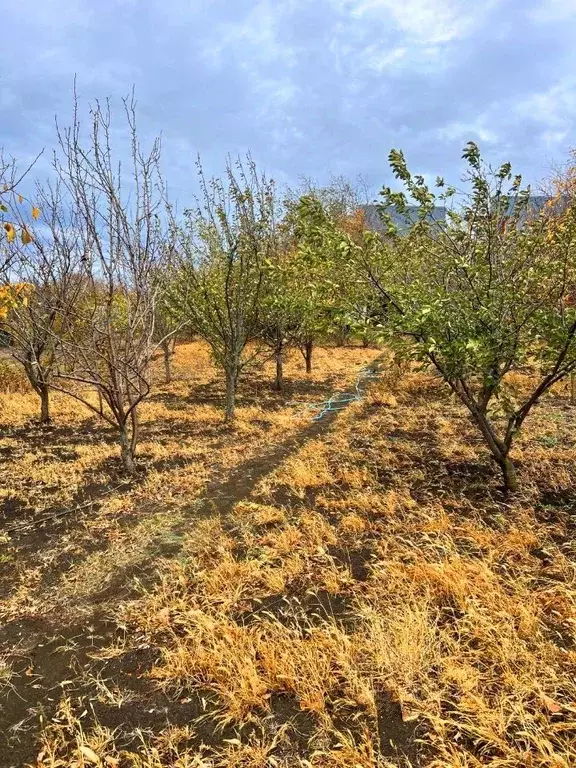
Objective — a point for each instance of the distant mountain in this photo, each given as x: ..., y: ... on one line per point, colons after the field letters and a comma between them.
x: 403, y: 221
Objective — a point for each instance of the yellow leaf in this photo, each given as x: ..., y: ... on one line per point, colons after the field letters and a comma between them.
x: 552, y: 706
x: 35, y: 212
x: 20, y: 199
x: 26, y: 236
x: 10, y: 232
x: 90, y: 755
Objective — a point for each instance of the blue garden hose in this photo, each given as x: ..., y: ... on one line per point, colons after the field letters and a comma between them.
x: 341, y: 400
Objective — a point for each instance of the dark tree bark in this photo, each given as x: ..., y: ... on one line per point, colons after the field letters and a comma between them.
x: 231, y: 383
x: 127, y: 451
x: 45, y: 404
x: 38, y: 379
x: 307, y: 350
x: 279, y: 382
x: 168, y: 353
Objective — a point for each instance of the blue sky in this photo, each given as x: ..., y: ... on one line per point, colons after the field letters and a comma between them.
x: 311, y: 87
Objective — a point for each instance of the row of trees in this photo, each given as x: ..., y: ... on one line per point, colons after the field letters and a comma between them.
x: 109, y: 275
x: 106, y: 275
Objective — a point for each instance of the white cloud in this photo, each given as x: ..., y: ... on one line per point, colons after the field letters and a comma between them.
x: 423, y: 22
x: 257, y: 37
x: 553, y: 10
x: 469, y: 130
x: 555, y: 108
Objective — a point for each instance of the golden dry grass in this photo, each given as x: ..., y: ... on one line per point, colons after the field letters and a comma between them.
x: 376, y: 582
x: 184, y: 447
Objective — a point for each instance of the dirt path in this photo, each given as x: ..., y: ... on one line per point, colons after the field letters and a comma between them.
x: 46, y: 655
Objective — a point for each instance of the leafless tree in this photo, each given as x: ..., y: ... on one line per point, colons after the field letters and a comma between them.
x: 108, y: 339
x: 49, y: 267
x: 11, y: 177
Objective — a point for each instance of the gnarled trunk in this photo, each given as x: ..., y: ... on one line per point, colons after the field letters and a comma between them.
x: 508, y: 473
x: 499, y: 448
x: 167, y: 365
x: 279, y: 382
x: 231, y: 382
x: 308, y: 347
x: 38, y: 379
x: 44, y: 392
x: 168, y: 346
x: 127, y: 451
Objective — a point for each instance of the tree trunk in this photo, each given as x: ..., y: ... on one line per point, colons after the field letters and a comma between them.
x: 127, y: 451
x: 342, y: 336
x: 509, y: 474
x: 44, y: 393
x: 135, y: 421
x: 166, y: 348
x: 308, y: 355
x: 231, y: 381
x: 279, y: 383
x: 500, y: 449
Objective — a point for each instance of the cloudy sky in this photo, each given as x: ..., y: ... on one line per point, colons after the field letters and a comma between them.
x: 309, y: 86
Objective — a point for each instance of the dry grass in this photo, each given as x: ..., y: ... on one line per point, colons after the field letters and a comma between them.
x: 372, y: 601
x: 185, y: 446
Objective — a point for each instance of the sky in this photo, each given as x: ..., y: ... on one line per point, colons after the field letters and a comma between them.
x: 309, y: 87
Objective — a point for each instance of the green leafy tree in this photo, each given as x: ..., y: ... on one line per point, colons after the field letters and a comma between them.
x: 281, y: 315
x: 481, y: 294
x: 225, y: 244
x: 319, y: 293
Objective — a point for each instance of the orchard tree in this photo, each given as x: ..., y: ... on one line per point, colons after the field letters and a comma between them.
x: 13, y: 231
x: 282, y: 313
x: 560, y: 193
x: 319, y: 245
x: 107, y: 341
x: 13, y: 227
x: 333, y: 301
x: 49, y: 269
x: 166, y: 327
x: 225, y: 245
x: 482, y: 294
x: 168, y: 323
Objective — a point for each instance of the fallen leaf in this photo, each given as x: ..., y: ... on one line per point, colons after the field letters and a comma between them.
x: 90, y: 755
x: 163, y: 616
x: 552, y: 706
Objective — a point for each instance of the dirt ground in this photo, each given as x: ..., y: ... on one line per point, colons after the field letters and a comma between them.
x: 354, y: 591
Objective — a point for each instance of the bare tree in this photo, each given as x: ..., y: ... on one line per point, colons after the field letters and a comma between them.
x: 108, y: 340
x: 166, y: 328
x: 49, y: 268
x: 10, y: 178
x: 225, y: 244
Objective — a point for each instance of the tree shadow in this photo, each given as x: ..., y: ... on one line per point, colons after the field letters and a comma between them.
x: 58, y: 438
x: 257, y: 391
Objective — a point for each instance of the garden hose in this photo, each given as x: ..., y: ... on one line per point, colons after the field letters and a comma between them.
x: 342, y: 400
